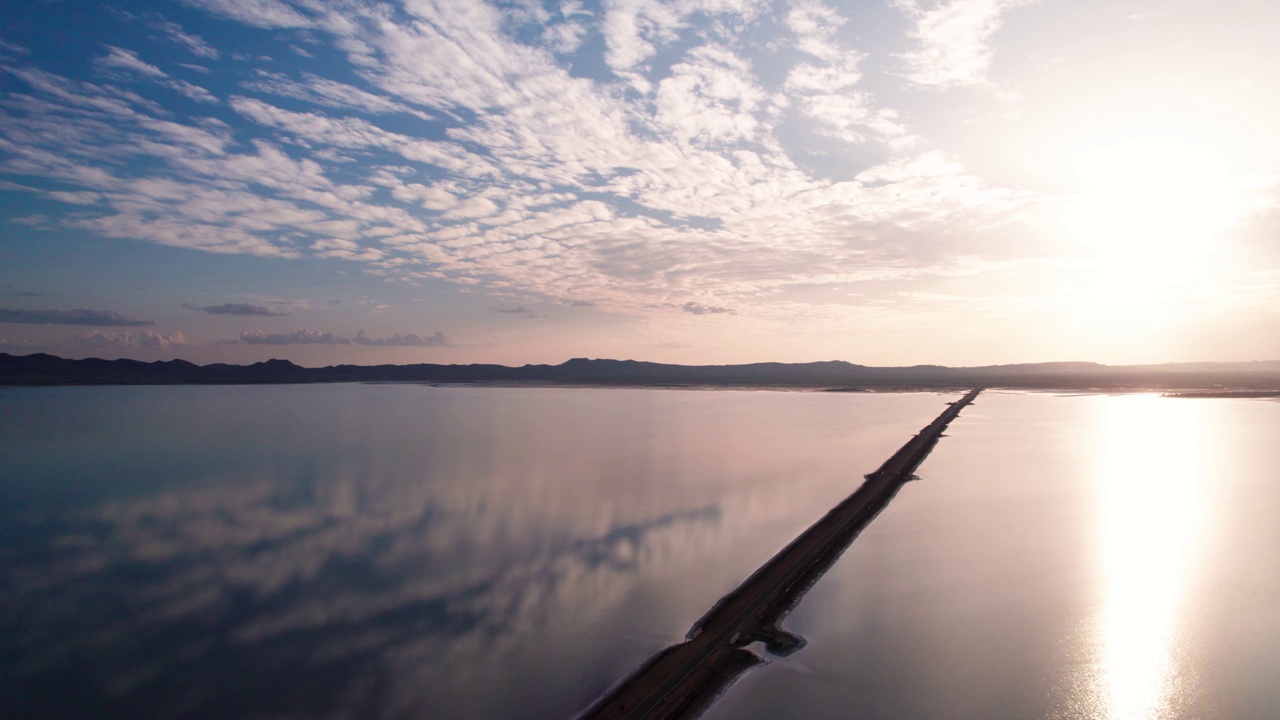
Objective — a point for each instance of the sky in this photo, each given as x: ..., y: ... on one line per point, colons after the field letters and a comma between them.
x: 887, y: 182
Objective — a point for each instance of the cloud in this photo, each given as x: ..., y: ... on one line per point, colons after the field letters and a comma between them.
x: 506, y: 168
x: 357, y: 134
x: 86, y: 197
x: 825, y: 88
x: 257, y: 13
x: 38, y: 220
x: 10, y: 290
x: 174, y: 32
x: 13, y: 48
x: 565, y: 37
x: 328, y: 93
x: 305, y: 336
x: 952, y: 39
x: 700, y: 309
x: 436, y: 339
x: 70, y: 317
x: 100, y: 340
x: 119, y: 59
x: 300, y: 336
x: 518, y: 311
x: 242, y: 309
x: 633, y: 30
x: 191, y: 90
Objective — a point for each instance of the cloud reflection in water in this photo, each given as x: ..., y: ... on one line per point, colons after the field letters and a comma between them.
x: 398, y: 552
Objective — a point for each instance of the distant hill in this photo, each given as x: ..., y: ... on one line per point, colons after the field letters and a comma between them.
x: 41, y: 369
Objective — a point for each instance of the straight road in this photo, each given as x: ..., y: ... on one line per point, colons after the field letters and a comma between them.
x: 664, y: 686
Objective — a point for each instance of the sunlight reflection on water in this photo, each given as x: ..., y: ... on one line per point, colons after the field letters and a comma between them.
x: 1152, y: 464
x: 1061, y: 558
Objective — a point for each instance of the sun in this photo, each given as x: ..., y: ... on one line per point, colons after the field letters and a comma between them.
x: 1151, y: 201
x: 1149, y: 222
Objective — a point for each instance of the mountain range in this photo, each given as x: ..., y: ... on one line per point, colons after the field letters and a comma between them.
x: 42, y: 369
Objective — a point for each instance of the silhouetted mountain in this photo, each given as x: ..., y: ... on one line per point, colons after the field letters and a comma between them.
x: 41, y: 369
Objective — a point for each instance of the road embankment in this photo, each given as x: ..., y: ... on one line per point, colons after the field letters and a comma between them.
x: 682, y: 680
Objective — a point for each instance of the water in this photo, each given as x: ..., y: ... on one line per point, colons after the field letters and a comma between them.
x: 396, y: 551
x: 1098, y: 557
x: 391, y: 550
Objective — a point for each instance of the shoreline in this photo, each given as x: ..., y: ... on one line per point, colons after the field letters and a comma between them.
x: 829, y: 377
x: 1168, y: 391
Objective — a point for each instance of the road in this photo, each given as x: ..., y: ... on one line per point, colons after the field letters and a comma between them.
x: 680, y: 680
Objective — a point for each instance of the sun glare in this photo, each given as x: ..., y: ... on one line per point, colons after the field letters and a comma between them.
x: 1150, y: 220
x: 1152, y: 201
x: 1150, y: 477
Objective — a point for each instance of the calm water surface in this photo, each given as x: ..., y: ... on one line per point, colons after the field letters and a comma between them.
x: 1101, y: 557
x: 392, y: 551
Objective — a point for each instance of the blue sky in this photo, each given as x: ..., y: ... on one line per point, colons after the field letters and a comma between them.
x: 891, y: 182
